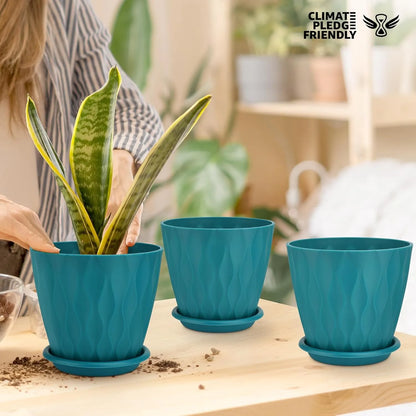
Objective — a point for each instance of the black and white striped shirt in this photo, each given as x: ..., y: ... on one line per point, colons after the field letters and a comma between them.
x: 76, y: 62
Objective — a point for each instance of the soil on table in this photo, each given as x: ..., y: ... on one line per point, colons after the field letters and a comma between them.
x: 27, y: 371
x: 37, y: 371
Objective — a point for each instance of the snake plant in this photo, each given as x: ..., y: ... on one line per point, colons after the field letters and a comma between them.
x: 91, y: 166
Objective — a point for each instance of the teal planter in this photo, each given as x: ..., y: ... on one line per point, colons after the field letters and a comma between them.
x: 349, y: 292
x: 96, y: 308
x: 217, y: 267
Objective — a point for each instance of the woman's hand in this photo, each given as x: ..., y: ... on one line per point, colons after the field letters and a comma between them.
x: 124, y: 170
x: 22, y: 226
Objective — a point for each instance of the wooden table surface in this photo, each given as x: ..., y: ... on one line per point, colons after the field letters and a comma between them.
x: 259, y: 371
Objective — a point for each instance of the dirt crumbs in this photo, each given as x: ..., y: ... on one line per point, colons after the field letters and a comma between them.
x: 210, y: 357
x: 38, y: 371
x: 201, y: 387
x: 158, y: 365
x: 28, y: 370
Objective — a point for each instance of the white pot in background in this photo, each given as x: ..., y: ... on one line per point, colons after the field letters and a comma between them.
x: 386, y: 69
x: 262, y: 78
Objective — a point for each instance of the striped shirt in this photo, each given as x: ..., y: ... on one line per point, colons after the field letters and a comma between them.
x: 76, y: 62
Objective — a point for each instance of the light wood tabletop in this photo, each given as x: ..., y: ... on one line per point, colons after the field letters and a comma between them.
x: 259, y: 371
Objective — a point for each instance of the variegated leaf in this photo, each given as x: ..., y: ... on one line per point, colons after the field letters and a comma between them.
x: 87, y: 238
x: 91, y: 149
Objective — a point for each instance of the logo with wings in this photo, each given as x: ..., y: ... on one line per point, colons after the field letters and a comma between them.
x: 381, y: 25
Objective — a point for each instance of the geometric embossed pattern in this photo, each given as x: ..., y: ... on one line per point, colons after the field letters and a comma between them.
x: 217, y: 271
x: 349, y: 300
x: 96, y: 308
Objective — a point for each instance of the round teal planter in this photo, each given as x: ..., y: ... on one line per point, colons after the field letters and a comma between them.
x: 217, y: 267
x: 349, y: 292
x: 96, y: 308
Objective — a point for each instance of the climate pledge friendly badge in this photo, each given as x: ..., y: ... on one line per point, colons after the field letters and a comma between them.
x: 332, y: 25
x: 343, y: 25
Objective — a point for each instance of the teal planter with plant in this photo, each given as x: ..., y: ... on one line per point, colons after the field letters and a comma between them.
x: 101, y: 279
x: 96, y: 314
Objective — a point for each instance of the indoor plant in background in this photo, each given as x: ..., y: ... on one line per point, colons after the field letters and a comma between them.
x: 262, y: 74
x: 296, y: 18
x: 131, y: 40
x: 325, y: 61
x: 96, y: 305
x: 326, y: 68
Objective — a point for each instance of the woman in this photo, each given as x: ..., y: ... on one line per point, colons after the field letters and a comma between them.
x: 57, y: 51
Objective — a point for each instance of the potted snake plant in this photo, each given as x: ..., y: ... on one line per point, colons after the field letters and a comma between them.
x: 96, y: 305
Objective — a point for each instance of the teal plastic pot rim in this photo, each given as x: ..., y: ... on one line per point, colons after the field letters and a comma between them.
x: 152, y: 249
x: 225, y: 224
x: 389, y: 244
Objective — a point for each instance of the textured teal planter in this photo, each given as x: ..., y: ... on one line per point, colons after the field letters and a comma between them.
x: 349, y: 292
x: 217, y: 268
x: 96, y: 308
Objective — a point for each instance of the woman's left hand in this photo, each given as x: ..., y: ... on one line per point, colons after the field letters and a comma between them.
x: 124, y: 170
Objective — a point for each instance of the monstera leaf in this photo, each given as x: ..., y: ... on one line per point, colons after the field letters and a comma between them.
x: 209, y: 178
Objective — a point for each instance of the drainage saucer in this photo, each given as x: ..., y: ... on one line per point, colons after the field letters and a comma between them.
x: 349, y: 358
x: 206, y: 325
x: 96, y: 368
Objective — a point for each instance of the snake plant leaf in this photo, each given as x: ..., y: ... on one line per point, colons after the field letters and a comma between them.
x: 87, y: 238
x: 131, y: 40
x: 147, y: 174
x: 91, y: 149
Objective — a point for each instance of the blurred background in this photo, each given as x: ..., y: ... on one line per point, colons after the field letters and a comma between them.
x: 318, y: 135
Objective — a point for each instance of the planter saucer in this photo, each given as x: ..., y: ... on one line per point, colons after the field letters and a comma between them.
x: 349, y: 358
x: 97, y: 368
x: 206, y: 325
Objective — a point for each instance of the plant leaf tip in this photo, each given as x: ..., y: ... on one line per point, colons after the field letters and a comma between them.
x: 114, y: 71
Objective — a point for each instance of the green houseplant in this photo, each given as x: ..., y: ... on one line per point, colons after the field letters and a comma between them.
x: 203, y: 164
x: 131, y: 40
x: 325, y: 62
x: 262, y: 72
x: 96, y: 305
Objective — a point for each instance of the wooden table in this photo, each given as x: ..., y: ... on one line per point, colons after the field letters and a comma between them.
x: 259, y: 371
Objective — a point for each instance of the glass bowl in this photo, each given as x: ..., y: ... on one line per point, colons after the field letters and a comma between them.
x: 36, y: 322
x: 11, y: 296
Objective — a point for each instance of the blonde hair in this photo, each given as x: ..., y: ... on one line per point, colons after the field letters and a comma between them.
x: 22, y: 43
